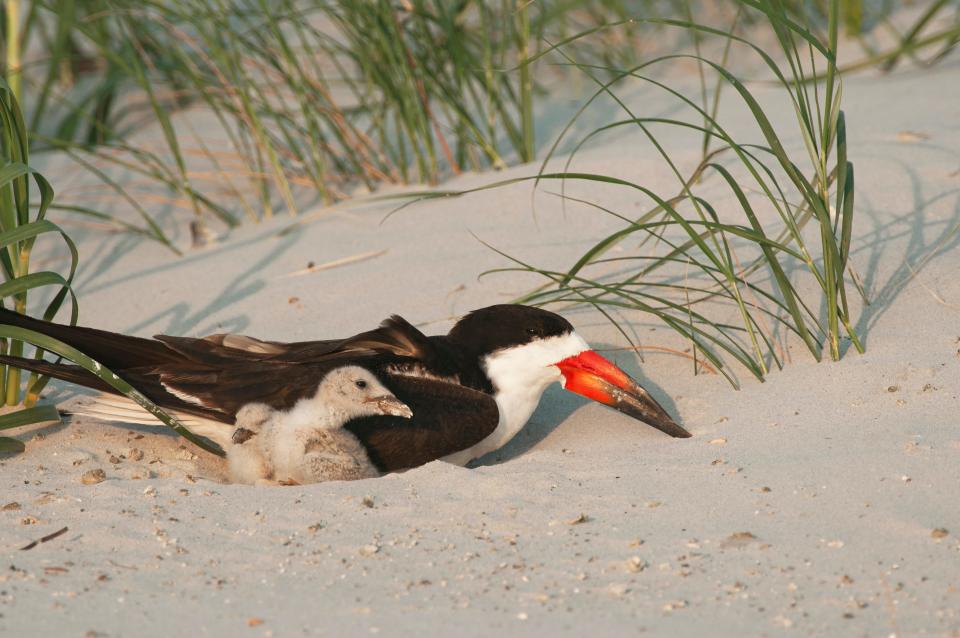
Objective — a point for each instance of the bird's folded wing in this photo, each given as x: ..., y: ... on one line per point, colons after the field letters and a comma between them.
x: 219, y: 374
x: 228, y: 389
x: 447, y: 418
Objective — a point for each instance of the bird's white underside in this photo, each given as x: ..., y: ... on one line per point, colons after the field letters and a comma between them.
x: 520, y: 375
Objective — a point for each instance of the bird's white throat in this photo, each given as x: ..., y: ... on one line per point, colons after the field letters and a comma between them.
x: 519, y: 376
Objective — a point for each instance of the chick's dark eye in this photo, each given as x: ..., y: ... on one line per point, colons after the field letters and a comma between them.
x: 360, y: 383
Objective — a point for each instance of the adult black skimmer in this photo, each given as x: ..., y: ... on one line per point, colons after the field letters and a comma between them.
x: 470, y: 390
x: 308, y: 443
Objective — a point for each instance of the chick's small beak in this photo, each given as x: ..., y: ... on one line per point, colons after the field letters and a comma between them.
x: 391, y: 405
x: 594, y: 377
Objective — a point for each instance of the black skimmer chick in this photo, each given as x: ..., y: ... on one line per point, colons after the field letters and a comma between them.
x: 308, y: 443
x: 470, y: 390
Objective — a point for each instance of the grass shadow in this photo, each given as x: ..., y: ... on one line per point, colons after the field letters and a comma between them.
x: 183, y: 319
x: 912, y: 227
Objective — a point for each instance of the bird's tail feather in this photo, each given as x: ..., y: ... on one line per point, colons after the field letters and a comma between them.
x: 119, y: 408
x: 112, y: 349
x: 62, y: 371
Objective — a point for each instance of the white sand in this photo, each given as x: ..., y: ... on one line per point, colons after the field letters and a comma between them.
x: 802, y: 506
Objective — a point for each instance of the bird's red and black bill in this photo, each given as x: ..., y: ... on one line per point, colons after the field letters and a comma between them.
x: 596, y: 378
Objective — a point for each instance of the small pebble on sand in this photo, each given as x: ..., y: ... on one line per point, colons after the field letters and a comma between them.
x: 618, y: 589
x: 636, y: 564
x: 738, y: 540
x: 92, y: 477
x: 912, y: 136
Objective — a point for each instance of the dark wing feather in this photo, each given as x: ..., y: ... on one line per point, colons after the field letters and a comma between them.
x: 146, y: 381
x: 229, y: 389
x: 446, y: 418
x: 114, y: 350
x: 67, y: 372
x: 395, y: 337
x: 221, y: 349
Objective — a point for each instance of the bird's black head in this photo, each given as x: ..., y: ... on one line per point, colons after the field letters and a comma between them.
x: 496, y: 327
x: 523, y: 347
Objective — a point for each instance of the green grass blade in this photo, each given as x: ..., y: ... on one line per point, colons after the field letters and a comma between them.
x: 11, y: 446
x: 29, y: 416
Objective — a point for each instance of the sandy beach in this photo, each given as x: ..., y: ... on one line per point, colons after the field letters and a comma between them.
x: 822, y: 502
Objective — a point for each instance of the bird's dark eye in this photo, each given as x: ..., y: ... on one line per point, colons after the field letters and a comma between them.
x: 533, y: 332
x: 360, y: 383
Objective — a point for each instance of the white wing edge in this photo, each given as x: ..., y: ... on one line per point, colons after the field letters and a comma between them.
x: 111, y: 407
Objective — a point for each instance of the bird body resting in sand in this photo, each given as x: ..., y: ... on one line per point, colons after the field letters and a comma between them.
x: 308, y: 443
x: 470, y: 390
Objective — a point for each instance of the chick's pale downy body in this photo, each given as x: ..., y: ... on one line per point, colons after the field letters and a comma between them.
x: 308, y: 443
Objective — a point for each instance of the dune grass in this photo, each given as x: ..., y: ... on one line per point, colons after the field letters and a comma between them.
x: 317, y: 98
x: 21, y: 224
x: 691, y: 255
x: 20, y: 227
x: 320, y: 96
